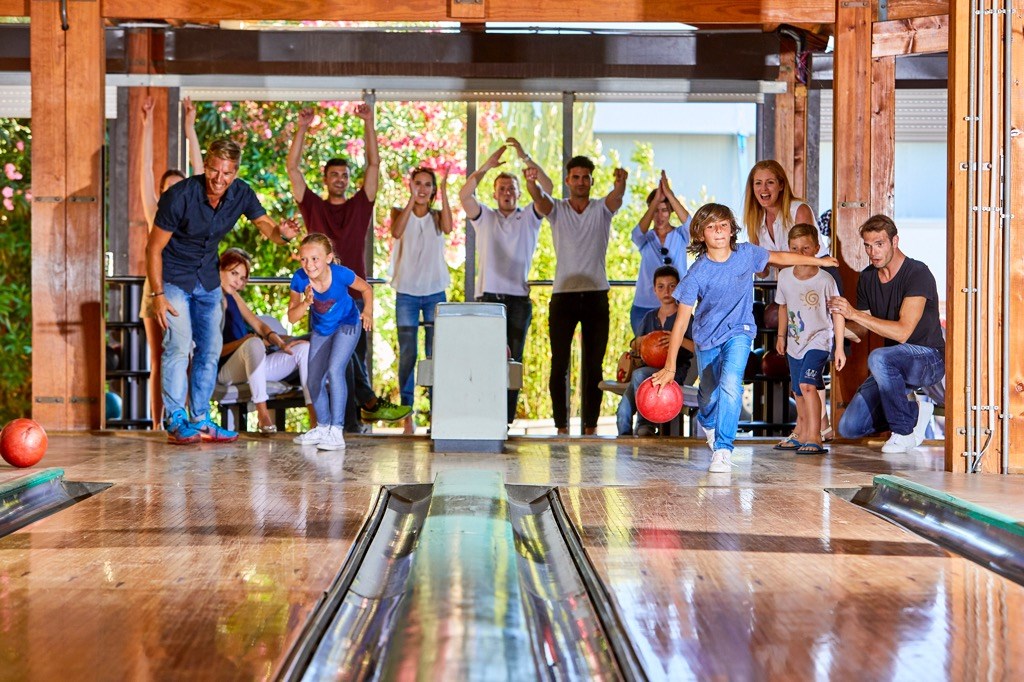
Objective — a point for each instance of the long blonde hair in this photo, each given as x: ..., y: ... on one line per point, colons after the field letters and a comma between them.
x: 753, y: 214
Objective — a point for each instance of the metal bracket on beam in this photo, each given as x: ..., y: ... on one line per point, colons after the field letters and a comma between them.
x: 82, y: 399
x: 883, y: 10
x: 48, y: 200
x: 49, y: 399
x: 853, y: 204
x: 82, y: 200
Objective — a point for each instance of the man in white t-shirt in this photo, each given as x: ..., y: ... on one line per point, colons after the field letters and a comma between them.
x: 580, y: 228
x: 506, y: 238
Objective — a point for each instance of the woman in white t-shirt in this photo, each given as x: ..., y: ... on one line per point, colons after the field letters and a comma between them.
x: 770, y: 210
x: 419, y: 272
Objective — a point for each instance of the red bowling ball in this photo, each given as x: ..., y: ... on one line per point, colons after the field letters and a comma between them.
x: 652, y: 350
x: 23, y: 443
x: 775, y: 366
x: 659, y: 406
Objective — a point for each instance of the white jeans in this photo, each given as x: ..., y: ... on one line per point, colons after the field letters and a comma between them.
x: 250, y: 362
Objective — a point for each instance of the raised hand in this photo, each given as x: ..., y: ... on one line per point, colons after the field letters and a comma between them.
x: 514, y: 143
x: 494, y: 160
x: 190, y: 112
x: 306, y: 117
x: 621, y: 174
x: 364, y: 111
x: 531, y: 173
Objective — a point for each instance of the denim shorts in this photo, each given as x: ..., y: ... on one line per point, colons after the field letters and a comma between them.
x: 808, y: 370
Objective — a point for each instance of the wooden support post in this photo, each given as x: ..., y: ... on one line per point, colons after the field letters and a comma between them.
x: 1015, y: 410
x: 883, y: 135
x: 139, y: 51
x: 852, y: 195
x: 67, y: 215
x: 785, y: 109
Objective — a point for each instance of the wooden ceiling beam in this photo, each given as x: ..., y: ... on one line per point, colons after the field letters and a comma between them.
x: 922, y: 35
x: 909, y: 9
x: 747, y: 12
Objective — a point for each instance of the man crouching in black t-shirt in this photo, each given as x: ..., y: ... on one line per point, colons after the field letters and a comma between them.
x: 898, y: 300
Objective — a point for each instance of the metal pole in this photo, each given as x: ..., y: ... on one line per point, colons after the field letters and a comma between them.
x: 471, y: 144
x: 568, y: 102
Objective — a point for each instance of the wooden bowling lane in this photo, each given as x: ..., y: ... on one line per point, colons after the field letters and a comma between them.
x: 197, y: 564
x: 716, y: 581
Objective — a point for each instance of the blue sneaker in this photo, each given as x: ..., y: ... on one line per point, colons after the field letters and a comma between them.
x: 211, y: 433
x: 180, y: 430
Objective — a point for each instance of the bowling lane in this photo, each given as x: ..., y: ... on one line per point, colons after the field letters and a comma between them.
x: 749, y: 583
x: 202, y: 566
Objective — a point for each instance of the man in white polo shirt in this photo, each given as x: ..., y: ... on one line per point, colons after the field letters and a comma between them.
x: 506, y: 238
x: 580, y: 228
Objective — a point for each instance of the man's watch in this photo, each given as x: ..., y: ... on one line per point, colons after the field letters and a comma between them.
x: 156, y: 293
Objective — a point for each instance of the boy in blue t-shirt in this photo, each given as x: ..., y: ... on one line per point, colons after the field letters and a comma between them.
x: 720, y: 284
x: 321, y: 287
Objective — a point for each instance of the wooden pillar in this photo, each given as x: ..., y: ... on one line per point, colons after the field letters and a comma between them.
x: 67, y: 214
x: 138, y: 45
x: 791, y: 121
x: 785, y: 110
x: 1015, y: 411
x: 852, y: 185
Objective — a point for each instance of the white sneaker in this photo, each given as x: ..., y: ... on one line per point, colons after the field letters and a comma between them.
x: 899, y: 443
x: 312, y: 437
x: 721, y: 462
x: 925, y: 410
x: 334, y: 440
x: 710, y: 435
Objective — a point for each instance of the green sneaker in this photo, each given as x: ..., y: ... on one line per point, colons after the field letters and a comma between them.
x: 386, y: 411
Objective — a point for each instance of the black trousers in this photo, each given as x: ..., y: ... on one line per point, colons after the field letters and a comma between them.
x: 589, y: 309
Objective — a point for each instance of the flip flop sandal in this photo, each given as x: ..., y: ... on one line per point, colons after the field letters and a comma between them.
x: 790, y: 444
x: 268, y: 429
x: 811, y: 449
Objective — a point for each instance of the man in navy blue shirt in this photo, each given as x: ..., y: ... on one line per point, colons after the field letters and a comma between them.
x: 181, y: 263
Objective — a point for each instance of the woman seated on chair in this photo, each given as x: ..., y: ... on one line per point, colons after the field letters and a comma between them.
x: 253, y: 352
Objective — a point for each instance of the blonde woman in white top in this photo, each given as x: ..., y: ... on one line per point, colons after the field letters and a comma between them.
x: 419, y: 273
x: 770, y: 209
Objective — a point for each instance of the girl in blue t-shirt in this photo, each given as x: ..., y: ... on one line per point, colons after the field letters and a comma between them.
x: 321, y: 288
x: 721, y: 280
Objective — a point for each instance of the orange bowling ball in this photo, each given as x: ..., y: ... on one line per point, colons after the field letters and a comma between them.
x: 657, y: 406
x: 23, y: 443
x: 651, y: 350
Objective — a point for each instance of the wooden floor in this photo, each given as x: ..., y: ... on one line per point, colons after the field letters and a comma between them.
x: 204, y: 562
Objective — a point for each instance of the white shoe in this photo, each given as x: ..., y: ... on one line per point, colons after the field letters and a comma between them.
x: 334, y: 440
x: 312, y: 437
x: 710, y: 435
x: 899, y: 443
x: 924, y: 416
x: 721, y: 462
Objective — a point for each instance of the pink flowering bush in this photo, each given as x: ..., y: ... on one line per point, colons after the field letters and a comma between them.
x: 15, y: 271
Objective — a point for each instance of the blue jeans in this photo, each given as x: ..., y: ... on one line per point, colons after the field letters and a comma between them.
x: 328, y: 362
x: 881, y: 402
x: 627, y: 406
x: 360, y: 388
x: 408, y: 309
x: 720, y: 393
x: 200, y: 320
x: 518, y: 314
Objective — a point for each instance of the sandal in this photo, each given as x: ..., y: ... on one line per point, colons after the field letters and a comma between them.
x: 827, y: 435
x: 267, y: 429
x: 790, y: 443
x: 811, y: 449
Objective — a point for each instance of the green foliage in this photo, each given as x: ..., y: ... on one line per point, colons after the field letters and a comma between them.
x: 15, y: 270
